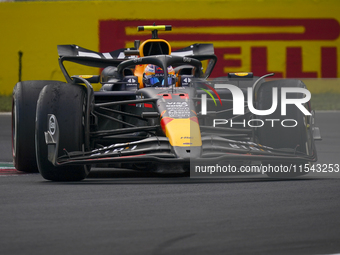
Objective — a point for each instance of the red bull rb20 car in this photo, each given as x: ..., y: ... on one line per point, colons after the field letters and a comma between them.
x: 158, y: 111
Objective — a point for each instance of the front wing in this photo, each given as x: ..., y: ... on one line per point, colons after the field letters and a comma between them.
x: 158, y: 150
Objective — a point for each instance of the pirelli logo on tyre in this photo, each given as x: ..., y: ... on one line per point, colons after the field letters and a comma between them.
x: 291, y: 48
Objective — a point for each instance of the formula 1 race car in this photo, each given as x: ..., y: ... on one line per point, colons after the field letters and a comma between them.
x: 156, y: 111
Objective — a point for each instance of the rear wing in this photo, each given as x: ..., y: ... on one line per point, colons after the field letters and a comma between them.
x: 77, y: 51
x: 76, y: 54
x: 200, y: 52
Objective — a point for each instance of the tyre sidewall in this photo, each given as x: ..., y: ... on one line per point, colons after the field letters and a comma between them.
x: 24, y: 102
x: 296, y: 138
x: 66, y: 103
x: 280, y: 136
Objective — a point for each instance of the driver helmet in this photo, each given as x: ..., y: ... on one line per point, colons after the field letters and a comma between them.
x: 153, y: 76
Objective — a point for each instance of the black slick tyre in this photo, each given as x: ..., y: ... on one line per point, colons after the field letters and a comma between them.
x: 24, y: 104
x: 67, y: 103
x: 286, y: 134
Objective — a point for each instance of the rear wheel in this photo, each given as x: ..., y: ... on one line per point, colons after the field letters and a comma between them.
x: 24, y: 104
x: 67, y: 103
x: 290, y: 132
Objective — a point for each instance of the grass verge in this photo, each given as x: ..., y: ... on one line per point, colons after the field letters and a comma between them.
x: 326, y: 101
x: 5, y: 103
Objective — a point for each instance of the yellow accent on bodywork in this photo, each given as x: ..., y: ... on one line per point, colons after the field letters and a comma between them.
x: 183, y: 132
x: 141, y: 47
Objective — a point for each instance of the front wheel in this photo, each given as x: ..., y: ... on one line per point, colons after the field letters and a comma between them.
x: 294, y: 137
x: 24, y: 104
x: 67, y: 103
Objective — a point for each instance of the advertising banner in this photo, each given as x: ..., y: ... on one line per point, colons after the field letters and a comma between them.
x: 290, y: 38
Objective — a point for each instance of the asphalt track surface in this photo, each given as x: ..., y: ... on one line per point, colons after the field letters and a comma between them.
x: 116, y: 212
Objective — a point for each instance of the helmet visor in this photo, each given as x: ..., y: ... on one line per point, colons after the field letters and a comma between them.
x: 153, y: 80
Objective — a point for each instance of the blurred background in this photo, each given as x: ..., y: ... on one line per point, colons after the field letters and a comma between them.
x: 292, y: 38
